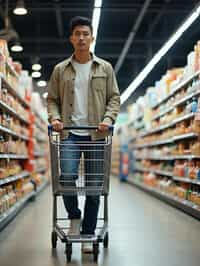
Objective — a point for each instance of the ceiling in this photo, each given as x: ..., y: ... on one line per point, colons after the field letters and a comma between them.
x: 44, y: 33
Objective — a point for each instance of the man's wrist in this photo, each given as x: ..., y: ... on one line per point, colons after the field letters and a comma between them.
x: 108, y: 120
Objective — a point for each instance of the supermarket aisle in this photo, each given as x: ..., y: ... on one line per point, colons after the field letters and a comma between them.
x: 143, y: 231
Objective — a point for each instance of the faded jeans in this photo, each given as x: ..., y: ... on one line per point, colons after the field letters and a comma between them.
x: 69, y: 163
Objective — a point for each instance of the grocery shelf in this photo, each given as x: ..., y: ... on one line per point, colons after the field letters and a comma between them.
x: 6, y: 217
x: 156, y: 158
x: 158, y: 129
x: 169, y: 109
x: 184, y: 205
x: 185, y: 82
x: 140, y: 126
x: 11, y: 111
x: 187, y: 180
x: 182, y: 118
x: 9, y: 179
x: 12, y: 156
x: 13, y: 91
x: 177, y: 88
x: 155, y: 143
x: 159, y: 172
x: 185, y: 136
x: 167, y: 141
x: 187, y: 157
x: 12, y: 70
x: 10, y: 214
x: 171, y: 124
x: 169, y: 174
x: 186, y: 98
x: 6, y: 130
x: 168, y: 158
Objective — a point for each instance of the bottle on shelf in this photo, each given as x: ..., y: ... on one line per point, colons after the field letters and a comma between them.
x: 194, y: 105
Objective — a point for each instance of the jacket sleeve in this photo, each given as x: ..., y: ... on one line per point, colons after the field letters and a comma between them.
x: 112, y: 97
x: 53, y: 99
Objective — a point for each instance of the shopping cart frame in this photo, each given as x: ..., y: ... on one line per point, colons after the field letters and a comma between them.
x: 59, y: 190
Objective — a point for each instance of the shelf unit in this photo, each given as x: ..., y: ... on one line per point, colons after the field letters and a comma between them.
x: 158, y: 147
x: 169, y: 174
x: 10, y: 214
x: 13, y: 178
x: 177, y: 88
x: 14, y: 92
x: 12, y: 133
x: 25, y: 158
x: 11, y: 111
x: 168, y: 141
x: 115, y: 159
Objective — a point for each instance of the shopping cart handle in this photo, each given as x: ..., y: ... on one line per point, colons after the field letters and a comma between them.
x: 50, y: 128
x: 85, y: 128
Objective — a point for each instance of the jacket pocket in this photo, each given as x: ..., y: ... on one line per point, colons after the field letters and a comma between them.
x: 99, y: 81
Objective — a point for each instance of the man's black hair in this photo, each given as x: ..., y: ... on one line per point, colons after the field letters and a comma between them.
x: 80, y: 21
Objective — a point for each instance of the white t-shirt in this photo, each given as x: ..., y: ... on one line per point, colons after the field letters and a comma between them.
x: 80, y: 113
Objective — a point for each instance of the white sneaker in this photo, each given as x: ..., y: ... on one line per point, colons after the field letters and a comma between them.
x: 87, y: 248
x: 74, y: 228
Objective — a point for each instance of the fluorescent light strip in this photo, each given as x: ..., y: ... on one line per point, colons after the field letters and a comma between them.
x: 165, y: 48
x: 95, y: 21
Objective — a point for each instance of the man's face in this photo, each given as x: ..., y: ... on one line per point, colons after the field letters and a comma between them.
x: 81, y: 38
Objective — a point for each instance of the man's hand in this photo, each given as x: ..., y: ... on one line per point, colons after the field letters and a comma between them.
x: 103, y: 127
x: 57, y: 125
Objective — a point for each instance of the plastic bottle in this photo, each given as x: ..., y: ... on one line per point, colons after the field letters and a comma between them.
x: 194, y: 105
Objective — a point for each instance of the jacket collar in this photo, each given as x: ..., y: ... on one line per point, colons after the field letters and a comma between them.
x: 94, y: 59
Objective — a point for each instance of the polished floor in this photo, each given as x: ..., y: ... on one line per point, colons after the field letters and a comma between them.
x: 143, y: 232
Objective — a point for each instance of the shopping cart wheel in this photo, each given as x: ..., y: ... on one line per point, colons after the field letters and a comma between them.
x: 95, y: 251
x: 69, y: 252
x: 106, y: 240
x: 54, y: 239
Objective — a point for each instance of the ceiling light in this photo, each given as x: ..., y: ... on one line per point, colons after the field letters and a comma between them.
x: 45, y: 95
x: 36, y: 74
x: 36, y: 67
x: 165, y: 48
x: 41, y: 83
x: 16, y: 47
x: 95, y: 21
x: 98, y: 3
x: 20, y: 8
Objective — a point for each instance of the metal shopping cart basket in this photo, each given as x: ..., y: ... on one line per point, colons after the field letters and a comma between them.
x: 86, y: 181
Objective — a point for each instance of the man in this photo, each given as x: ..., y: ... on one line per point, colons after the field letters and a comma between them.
x: 82, y: 91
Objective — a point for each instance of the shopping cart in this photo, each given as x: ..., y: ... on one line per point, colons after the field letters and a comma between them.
x: 94, y: 181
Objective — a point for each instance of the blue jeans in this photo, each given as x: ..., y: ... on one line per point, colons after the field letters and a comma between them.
x: 69, y: 163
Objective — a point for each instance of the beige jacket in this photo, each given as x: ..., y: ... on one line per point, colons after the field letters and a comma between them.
x: 103, y: 94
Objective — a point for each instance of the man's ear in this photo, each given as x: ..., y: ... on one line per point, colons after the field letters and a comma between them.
x: 93, y: 39
x: 70, y: 38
